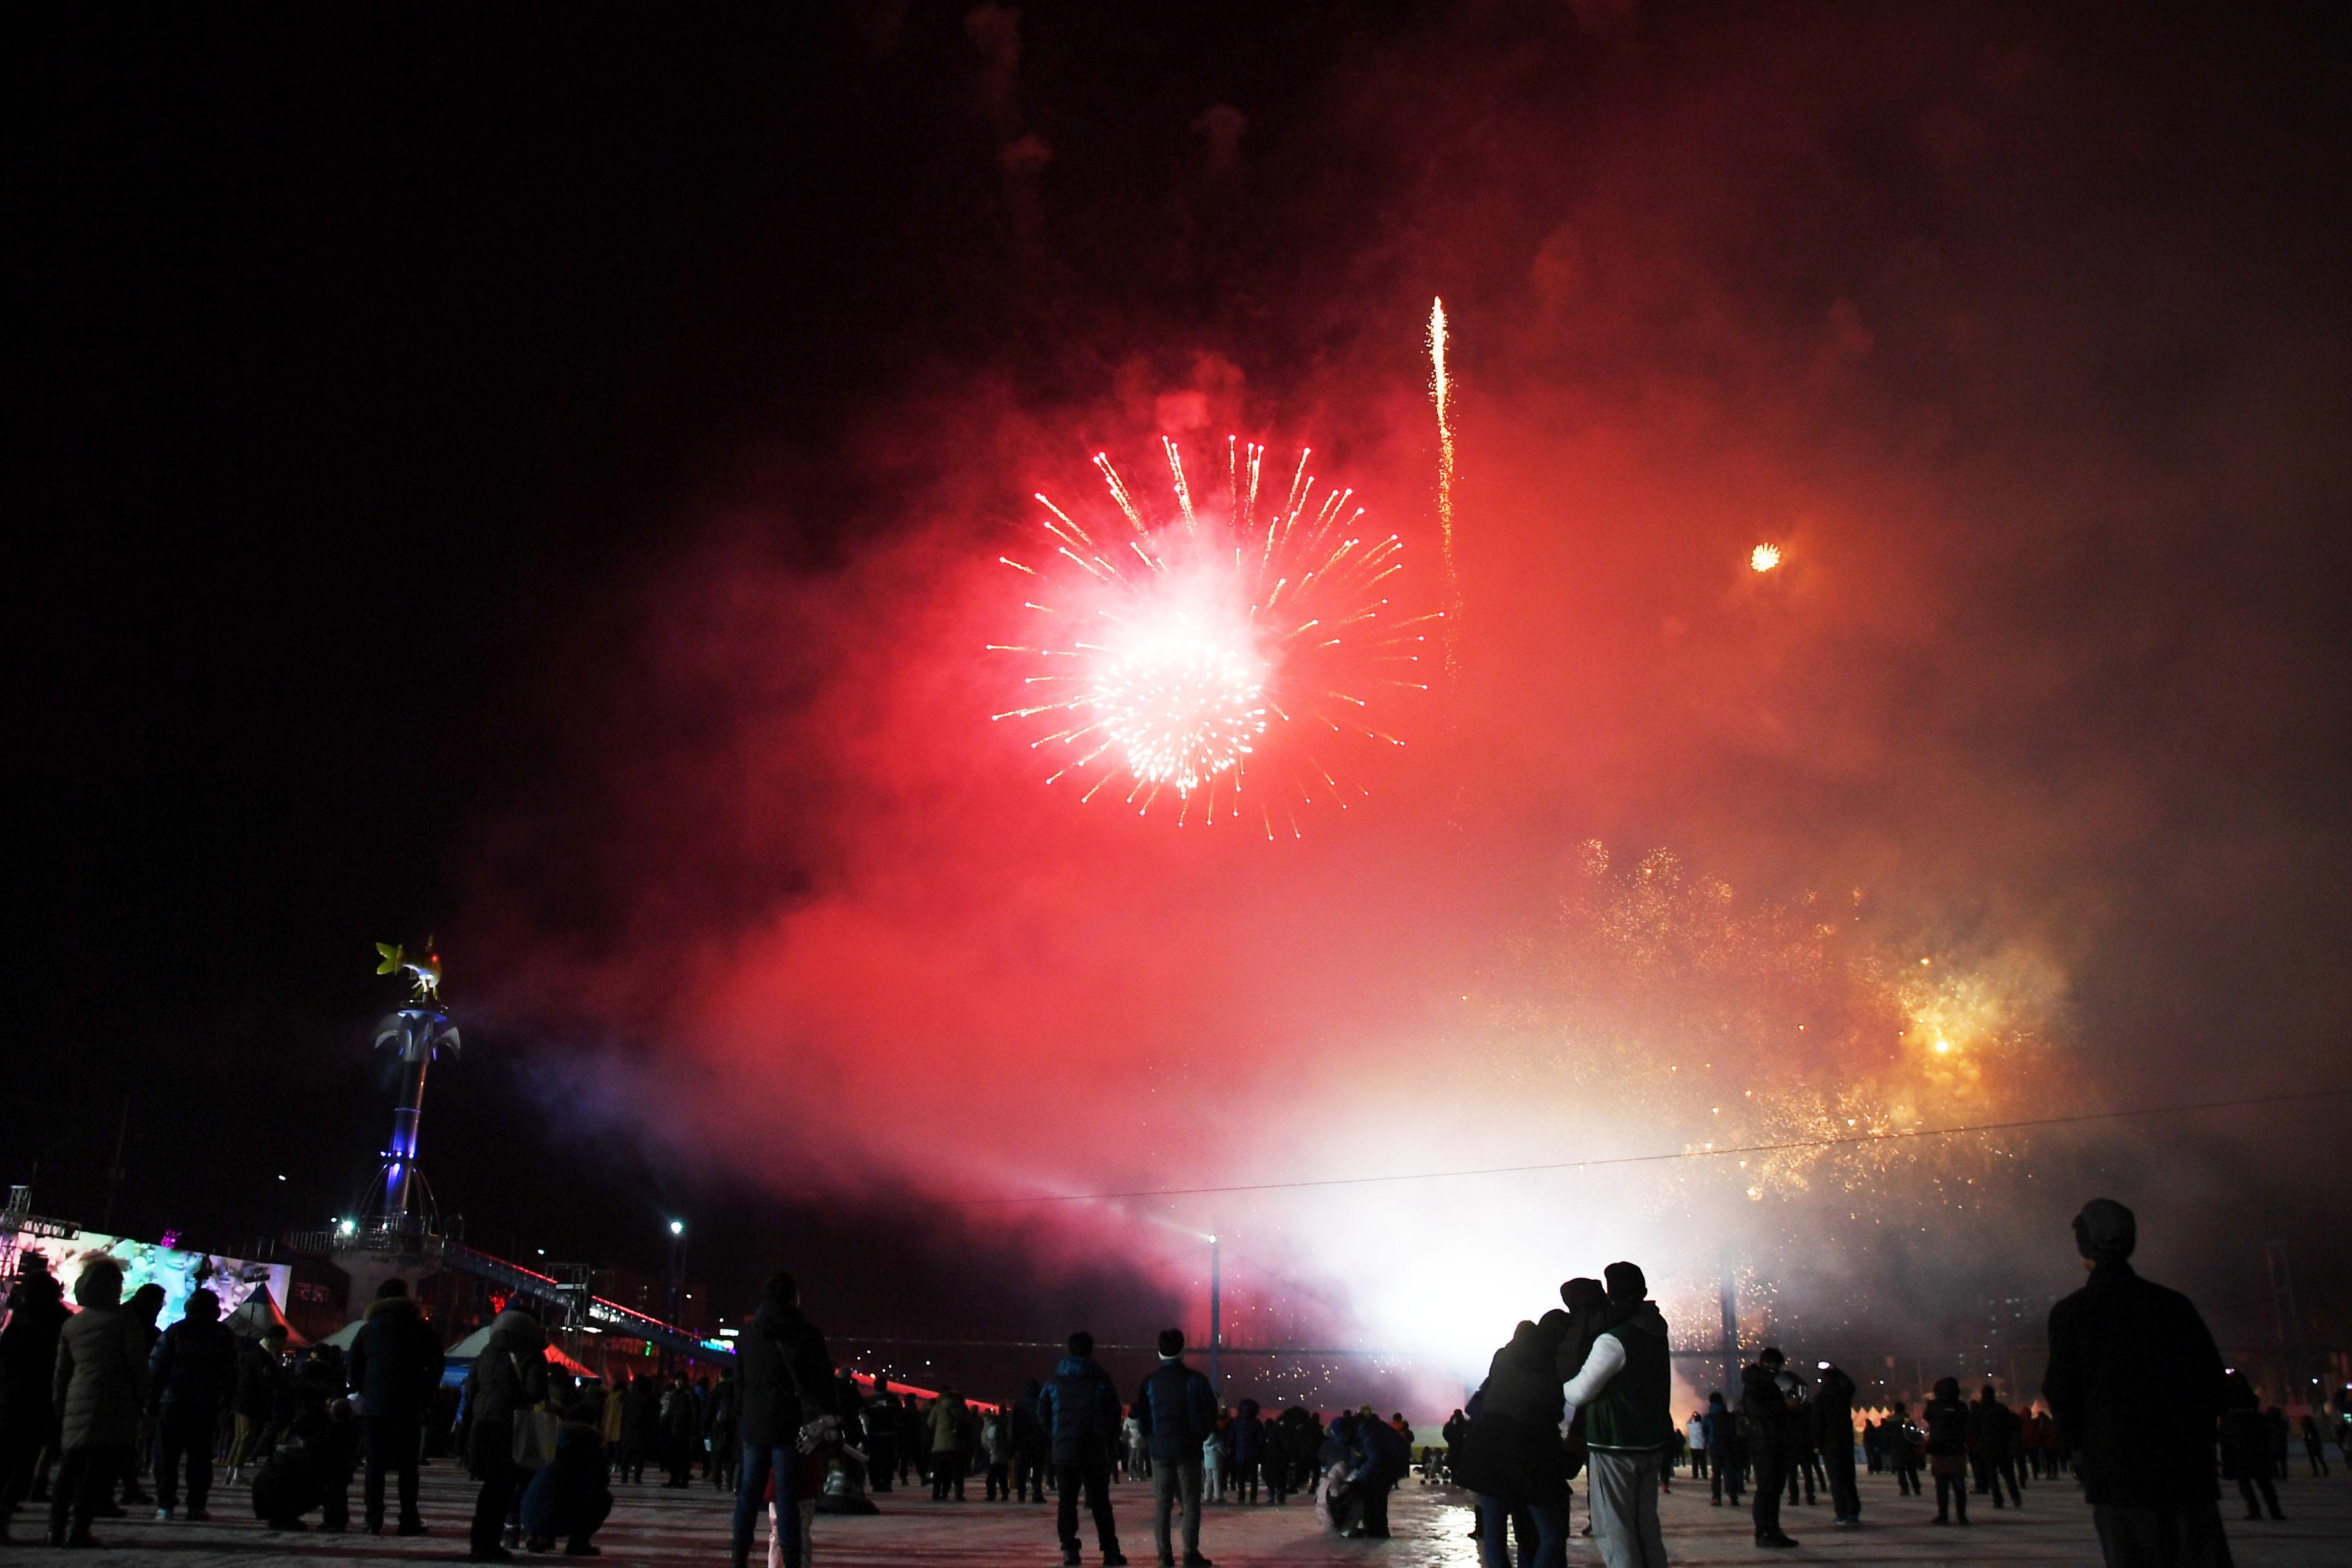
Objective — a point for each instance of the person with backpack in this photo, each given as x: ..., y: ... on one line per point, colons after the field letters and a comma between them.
x: 1180, y: 1413
x: 787, y: 1376
x: 1079, y: 1410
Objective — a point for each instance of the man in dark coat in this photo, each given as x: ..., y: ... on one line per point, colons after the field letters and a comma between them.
x: 1031, y: 1453
x: 787, y: 1383
x: 1079, y: 1410
x: 881, y: 1436
x: 190, y: 1376
x: 2138, y: 1386
x: 396, y: 1363
x: 509, y: 1376
x: 1764, y: 1431
x: 1832, y: 1415
x: 28, y: 1359
x: 1179, y: 1411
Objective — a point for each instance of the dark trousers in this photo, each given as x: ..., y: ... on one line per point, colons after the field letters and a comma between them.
x: 1726, y: 1463
x: 501, y: 1479
x: 392, y: 1444
x: 1028, y: 1479
x: 1845, y: 1496
x: 1805, y: 1466
x: 2317, y: 1452
x: 946, y: 1473
x: 22, y: 1437
x: 1699, y: 1464
x: 763, y: 1462
x: 1771, y: 1475
x: 2246, y: 1486
x: 1956, y: 1489
x: 1906, y: 1480
x: 188, y: 1428
x: 85, y: 1483
x: 2004, y: 1473
x: 1093, y: 1478
x: 881, y: 1463
x: 999, y: 1482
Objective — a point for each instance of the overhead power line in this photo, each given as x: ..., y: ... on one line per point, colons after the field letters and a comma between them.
x: 1842, y: 1141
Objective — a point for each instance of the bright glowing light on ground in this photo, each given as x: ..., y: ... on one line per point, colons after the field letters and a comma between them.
x: 1764, y: 557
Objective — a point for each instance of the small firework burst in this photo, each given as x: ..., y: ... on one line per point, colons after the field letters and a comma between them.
x: 1764, y: 558
x: 1220, y: 659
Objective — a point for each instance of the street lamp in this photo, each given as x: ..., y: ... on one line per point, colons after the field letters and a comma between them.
x: 676, y: 1266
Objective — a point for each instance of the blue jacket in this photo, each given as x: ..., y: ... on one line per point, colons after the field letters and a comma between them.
x: 1079, y: 1410
x: 1249, y: 1433
x: 1179, y: 1411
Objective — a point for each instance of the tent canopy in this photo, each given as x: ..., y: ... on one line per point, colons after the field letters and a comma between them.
x: 258, y: 1317
x: 471, y: 1347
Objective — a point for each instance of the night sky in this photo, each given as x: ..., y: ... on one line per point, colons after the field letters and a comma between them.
x: 524, y: 477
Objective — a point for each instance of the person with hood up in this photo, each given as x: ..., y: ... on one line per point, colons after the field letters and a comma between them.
x: 508, y: 1378
x: 2138, y: 1386
x: 192, y: 1372
x: 570, y: 1500
x: 98, y: 1386
x: 29, y: 1362
x: 396, y: 1363
x: 2246, y: 1447
x: 1764, y: 1418
x: 1386, y: 1456
x: 260, y: 1370
x: 1723, y: 1456
x: 1624, y: 1391
x: 1180, y: 1413
x: 787, y: 1375
x: 1833, y: 1415
x: 1079, y: 1411
x: 1508, y: 1451
x: 1946, y: 1417
x: 1249, y: 1434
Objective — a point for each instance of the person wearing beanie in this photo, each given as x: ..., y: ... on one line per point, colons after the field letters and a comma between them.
x: 1624, y: 1391
x: 2138, y: 1388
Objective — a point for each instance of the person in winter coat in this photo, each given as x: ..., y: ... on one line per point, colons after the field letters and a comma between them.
x: 1510, y: 1453
x: 396, y: 1363
x: 2136, y: 1386
x: 2246, y: 1447
x: 570, y: 1498
x: 1386, y: 1456
x: 996, y: 1450
x: 254, y: 1406
x: 1902, y: 1439
x: 1945, y: 1417
x: 1134, y: 1445
x: 1723, y: 1458
x: 1180, y: 1413
x: 882, y: 1436
x: 28, y: 1364
x: 1764, y: 1419
x: 787, y: 1383
x: 508, y: 1377
x: 192, y: 1374
x: 1214, y: 1447
x: 99, y: 1387
x: 1623, y: 1391
x: 946, y: 1433
x: 1833, y: 1414
x: 1031, y: 1453
x: 1249, y: 1433
x: 722, y: 1429
x: 1079, y: 1411
x: 641, y: 1426
x: 681, y: 1424
x: 2314, y: 1446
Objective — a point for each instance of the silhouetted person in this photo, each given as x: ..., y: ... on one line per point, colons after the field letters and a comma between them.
x: 1833, y: 1414
x: 787, y: 1375
x: 1179, y: 1414
x: 2136, y: 1386
x: 1623, y: 1391
x: 396, y: 1364
x: 1079, y: 1410
x: 1723, y: 1453
x: 1945, y: 1417
x: 99, y: 1387
x: 509, y: 1376
x: 192, y: 1375
x: 2314, y: 1446
x: 1764, y: 1430
x: 28, y: 1364
x: 881, y: 1435
x: 1993, y: 1428
x: 1900, y: 1439
x: 2246, y: 1447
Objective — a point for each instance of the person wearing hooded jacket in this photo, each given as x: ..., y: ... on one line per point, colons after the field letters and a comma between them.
x: 396, y: 1363
x: 1764, y: 1418
x: 1079, y: 1410
x: 1624, y: 1392
x: 192, y: 1371
x: 508, y: 1377
x: 1945, y: 1417
x: 99, y: 1387
x: 2136, y: 1386
x: 1832, y: 1415
x: 28, y: 1362
x: 787, y: 1383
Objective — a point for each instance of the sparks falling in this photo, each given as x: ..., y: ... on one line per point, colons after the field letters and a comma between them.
x: 1223, y: 659
x: 1441, y: 393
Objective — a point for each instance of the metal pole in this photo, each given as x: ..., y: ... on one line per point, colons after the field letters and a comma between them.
x: 1730, y: 1303
x: 1216, y: 1312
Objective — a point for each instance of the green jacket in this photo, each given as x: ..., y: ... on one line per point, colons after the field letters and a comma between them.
x: 1631, y: 1411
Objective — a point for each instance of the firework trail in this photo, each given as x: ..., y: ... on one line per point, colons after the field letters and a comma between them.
x: 1220, y: 660
x: 1441, y: 393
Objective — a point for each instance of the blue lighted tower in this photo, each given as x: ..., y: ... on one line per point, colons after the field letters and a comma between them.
x: 402, y: 1203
